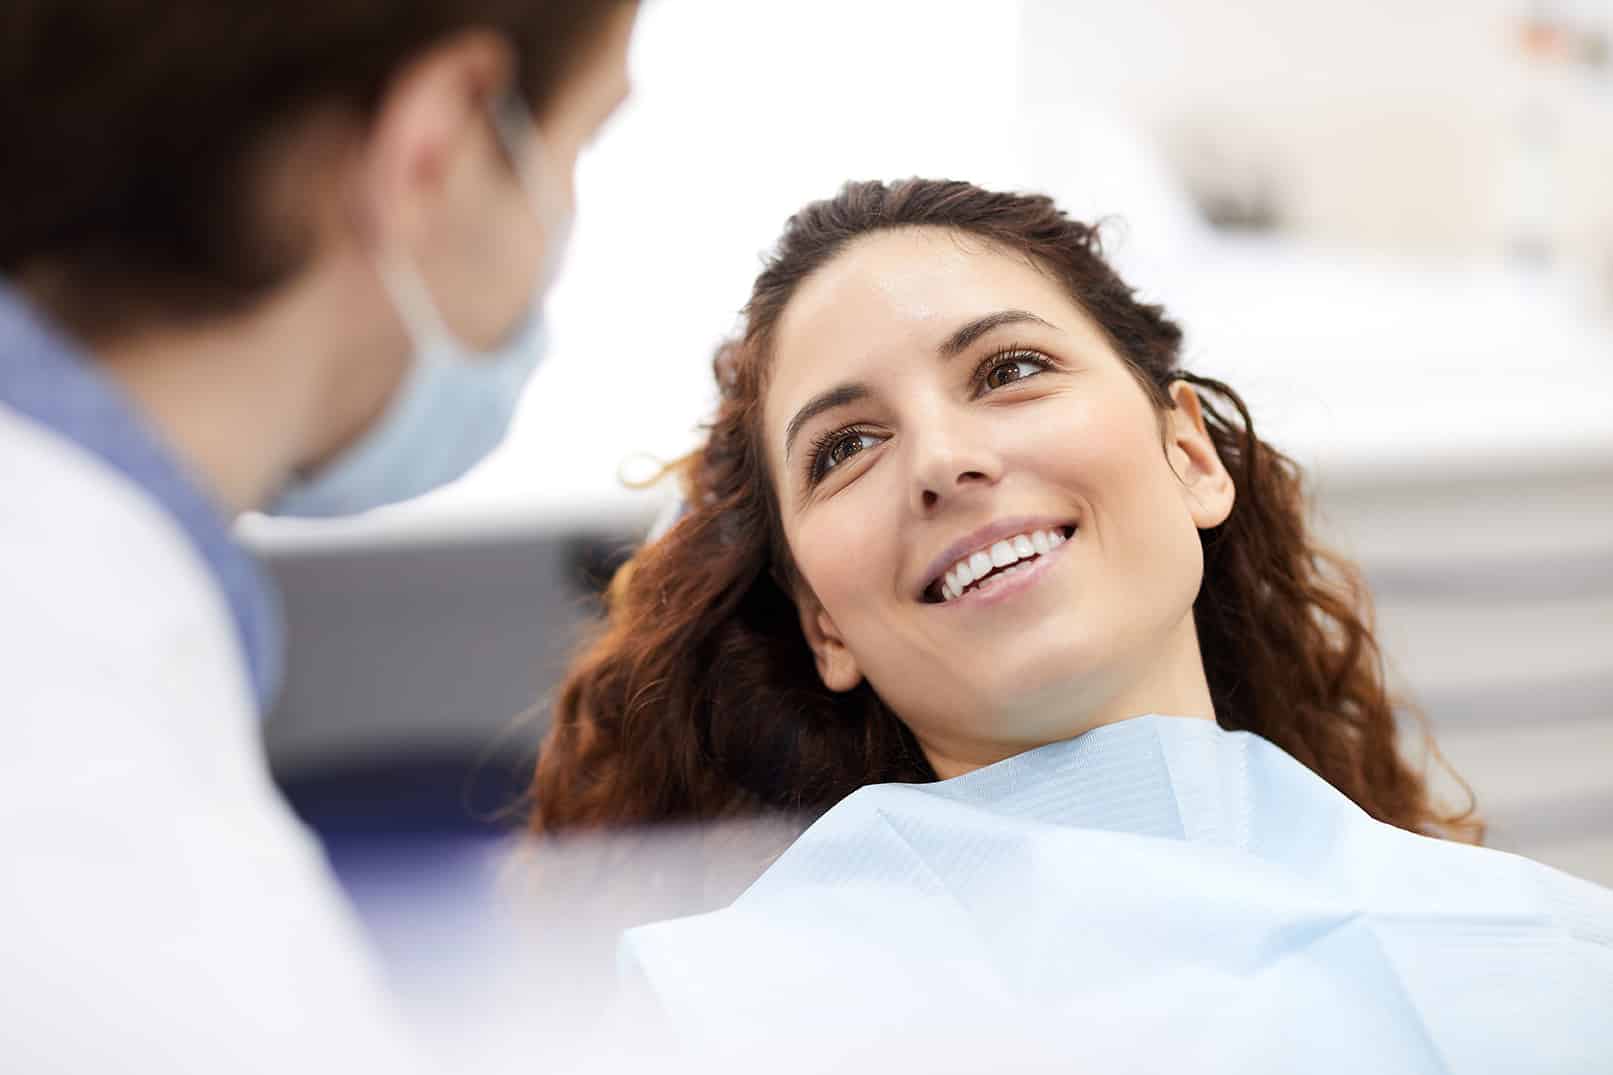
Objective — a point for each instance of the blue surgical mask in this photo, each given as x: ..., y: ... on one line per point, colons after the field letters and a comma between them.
x: 454, y: 405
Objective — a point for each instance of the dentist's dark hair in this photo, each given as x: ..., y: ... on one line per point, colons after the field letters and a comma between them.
x: 140, y: 136
x: 698, y: 697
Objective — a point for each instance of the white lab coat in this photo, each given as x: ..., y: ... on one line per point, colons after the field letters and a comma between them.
x: 161, y: 909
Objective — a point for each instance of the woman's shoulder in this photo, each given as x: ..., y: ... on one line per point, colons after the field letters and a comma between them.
x: 1297, y: 819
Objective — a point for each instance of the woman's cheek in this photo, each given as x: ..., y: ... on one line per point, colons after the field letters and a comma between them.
x: 1065, y: 427
x: 830, y: 551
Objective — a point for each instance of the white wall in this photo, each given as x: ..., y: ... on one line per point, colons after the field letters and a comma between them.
x: 1385, y: 123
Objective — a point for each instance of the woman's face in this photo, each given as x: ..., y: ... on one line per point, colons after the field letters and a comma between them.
x: 993, y: 523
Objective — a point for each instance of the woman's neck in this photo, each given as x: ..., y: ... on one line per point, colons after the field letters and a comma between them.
x: 1169, y: 682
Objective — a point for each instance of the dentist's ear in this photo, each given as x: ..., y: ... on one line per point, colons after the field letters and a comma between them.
x: 427, y: 130
x: 1206, y: 486
x: 836, y: 666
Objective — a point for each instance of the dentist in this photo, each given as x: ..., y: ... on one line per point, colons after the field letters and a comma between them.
x: 287, y: 257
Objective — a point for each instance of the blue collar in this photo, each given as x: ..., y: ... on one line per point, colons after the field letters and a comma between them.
x: 1180, y: 778
x: 48, y: 379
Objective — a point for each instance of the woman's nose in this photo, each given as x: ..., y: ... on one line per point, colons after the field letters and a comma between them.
x: 951, y: 465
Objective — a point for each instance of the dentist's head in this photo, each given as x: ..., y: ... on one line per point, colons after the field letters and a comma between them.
x: 311, y: 240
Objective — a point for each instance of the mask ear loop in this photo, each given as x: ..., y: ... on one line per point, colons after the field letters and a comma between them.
x: 515, y: 126
x: 415, y: 306
x: 516, y: 130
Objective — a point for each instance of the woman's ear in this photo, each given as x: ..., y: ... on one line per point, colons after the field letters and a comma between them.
x: 836, y: 666
x: 1205, y: 482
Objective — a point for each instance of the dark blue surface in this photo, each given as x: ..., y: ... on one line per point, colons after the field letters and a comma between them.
x: 431, y: 800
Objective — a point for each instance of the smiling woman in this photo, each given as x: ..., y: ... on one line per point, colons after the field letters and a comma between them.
x: 973, y: 573
x: 960, y: 502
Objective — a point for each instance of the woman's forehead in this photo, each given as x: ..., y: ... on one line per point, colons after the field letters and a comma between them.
x: 909, y: 280
x: 897, y: 294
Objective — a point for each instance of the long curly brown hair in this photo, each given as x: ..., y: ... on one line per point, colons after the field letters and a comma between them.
x: 697, y: 698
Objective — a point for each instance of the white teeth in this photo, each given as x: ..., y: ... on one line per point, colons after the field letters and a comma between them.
x: 1002, y: 554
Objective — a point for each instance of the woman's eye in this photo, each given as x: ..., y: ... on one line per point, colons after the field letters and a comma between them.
x: 1008, y: 370
x: 841, y: 447
x: 847, y: 446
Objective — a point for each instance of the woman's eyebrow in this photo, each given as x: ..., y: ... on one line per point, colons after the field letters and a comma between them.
x: 971, y: 331
x: 838, y: 396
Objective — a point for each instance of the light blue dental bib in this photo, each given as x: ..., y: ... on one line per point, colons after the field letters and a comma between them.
x: 1158, y: 894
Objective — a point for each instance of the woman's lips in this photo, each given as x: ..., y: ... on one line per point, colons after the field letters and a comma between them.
x: 1010, y: 581
x: 979, y: 548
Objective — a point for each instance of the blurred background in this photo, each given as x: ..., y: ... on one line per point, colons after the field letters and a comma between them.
x: 1389, y: 224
